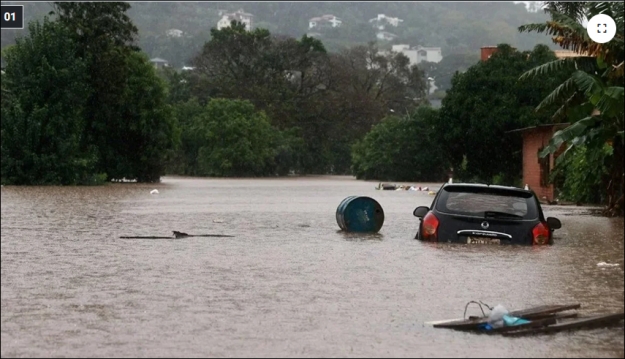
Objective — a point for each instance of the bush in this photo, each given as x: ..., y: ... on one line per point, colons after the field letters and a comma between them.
x: 401, y: 149
x: 580, y: 175
x: 236, y: 140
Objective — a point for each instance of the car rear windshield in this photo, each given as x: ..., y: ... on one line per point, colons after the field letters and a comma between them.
x: 487, y: 202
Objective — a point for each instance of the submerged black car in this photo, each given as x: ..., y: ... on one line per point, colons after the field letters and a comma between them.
x: 485, y: 214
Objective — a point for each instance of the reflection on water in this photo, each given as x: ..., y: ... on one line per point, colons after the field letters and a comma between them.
x: 287, y: 284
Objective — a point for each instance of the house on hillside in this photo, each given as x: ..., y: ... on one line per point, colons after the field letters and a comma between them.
x: 429, y: 54
x: 381, y: 21
x: 174, y: 33
x: 324, y: 21
x: 159, y: 63
x: 385, y: 36
x: 418, y: 54
x: 239, y: 15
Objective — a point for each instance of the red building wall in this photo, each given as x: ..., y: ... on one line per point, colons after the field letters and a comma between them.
x: 487, y: 51
x: 534, y: 140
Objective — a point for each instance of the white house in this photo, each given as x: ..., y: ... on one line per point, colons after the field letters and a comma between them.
x: 159, y: 63
x: 382, y: 20
x: 387, y: 36
x: 239, y: 15
x: 174, y: 33
x: 418, y: 54
x: 405, y: 49
x: 429, y: 54
x: 324, y: 21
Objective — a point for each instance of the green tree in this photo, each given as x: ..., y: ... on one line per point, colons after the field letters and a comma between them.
x: 183, y: 159
x: 127, y: 121
x: 237, y: 140
x: 483, y: 104
x: 443, y: 71
x: 43, y: 113
x: 580, y: 174
x: 145, y: 131
x: 401, y: 149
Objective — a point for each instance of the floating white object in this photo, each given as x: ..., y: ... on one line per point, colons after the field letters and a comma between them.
x: 425, y: 189
x: 154, y: 191
x: 604, y: 264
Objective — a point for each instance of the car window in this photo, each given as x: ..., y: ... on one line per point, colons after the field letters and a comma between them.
x: 480, y: 201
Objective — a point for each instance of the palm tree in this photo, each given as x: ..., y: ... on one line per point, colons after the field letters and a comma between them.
x: 592, y: 98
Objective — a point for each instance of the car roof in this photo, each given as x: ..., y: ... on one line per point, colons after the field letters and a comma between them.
x: 483, y: 185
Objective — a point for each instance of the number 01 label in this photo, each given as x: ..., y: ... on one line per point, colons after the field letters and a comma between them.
x: 12, y: 16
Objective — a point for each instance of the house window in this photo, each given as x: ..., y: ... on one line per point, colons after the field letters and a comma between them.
x: 544, y: 168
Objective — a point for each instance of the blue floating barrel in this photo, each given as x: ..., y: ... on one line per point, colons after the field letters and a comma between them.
x: 360, y: 214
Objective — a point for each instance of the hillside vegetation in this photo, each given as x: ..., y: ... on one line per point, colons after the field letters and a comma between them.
x: 458, y: 28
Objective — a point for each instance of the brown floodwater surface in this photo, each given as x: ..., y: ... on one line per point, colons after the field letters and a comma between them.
x: 288, y: 284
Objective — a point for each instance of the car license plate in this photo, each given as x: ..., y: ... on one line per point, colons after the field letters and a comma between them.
x: 483, y: 240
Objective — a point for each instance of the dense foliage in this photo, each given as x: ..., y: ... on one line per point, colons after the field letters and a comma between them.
x: 401, y: 149
x: 82, y: 104
x: 579, y: 175
x: 235, y: 140
x: 323, y: 101
x: 43, y: 110
x: 486, y: 102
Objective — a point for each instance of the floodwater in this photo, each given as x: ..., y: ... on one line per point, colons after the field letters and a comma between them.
x: 288, y: 284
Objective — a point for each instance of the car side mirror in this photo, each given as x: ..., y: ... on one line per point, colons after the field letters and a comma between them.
x: 421, y: 211
x: 554, y: 223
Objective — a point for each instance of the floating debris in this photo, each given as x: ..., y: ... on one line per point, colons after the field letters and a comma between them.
x: 396, y: 187
x: 604, y: 264
x: 537, y: 320
x: 176, y: 235
x: 154, y: 191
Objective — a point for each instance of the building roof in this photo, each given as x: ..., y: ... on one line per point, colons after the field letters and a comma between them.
x: 242, y: 13
x: 428, y: 48
x: 547, y: 125
x: 324, y: 18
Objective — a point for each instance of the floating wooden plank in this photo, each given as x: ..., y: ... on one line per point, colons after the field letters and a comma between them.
x: 533, y: 324
x: 537, y: 312
x: 177, y: 235
x: 529, y: 314
x: 145, y: 237
x: 555, y: 315
x: 596, y: 321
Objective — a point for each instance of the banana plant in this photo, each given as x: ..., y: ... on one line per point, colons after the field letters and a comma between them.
x: 595, y: 121
x: 592, y: 97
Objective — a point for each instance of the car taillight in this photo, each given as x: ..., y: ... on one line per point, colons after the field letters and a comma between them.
x: 430, y: 227
x: 541, y: 234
